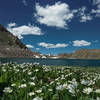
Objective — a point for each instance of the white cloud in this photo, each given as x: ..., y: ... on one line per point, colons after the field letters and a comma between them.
x: 96, y: 2
x: 79, y: 43
x: 12, y: 24
x: 49, y: 45
x: 57, y: 15
x: 29, y: 46
x: 97, y: 10
x: 82, y: 10
x: 23, y: 30
x: 37, y: 48
x: 83, y: 16
x: 24, y: 2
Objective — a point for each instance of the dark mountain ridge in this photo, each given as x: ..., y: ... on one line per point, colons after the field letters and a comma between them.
x: 11, y: 46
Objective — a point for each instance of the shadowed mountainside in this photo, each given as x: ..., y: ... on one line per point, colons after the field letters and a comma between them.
x: 11, y: 46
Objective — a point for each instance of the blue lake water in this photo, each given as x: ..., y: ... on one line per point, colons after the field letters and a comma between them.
x: 56, y: 62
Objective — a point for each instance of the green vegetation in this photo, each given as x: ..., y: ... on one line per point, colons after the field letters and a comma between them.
x: 35, y: 82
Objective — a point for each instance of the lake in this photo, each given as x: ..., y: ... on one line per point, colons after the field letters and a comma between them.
x: 54, y: 62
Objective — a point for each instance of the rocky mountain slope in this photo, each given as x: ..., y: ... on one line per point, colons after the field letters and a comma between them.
x: 82, y: 54
x: 11, y: 46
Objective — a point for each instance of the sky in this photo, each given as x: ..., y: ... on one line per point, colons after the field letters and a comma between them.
x: 53, y: 26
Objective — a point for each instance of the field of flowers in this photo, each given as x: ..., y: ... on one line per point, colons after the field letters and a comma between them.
x: 36, y: 82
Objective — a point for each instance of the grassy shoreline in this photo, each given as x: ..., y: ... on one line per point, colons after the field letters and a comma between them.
x: 36, y: 82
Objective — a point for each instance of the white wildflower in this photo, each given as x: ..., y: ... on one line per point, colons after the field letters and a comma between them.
x: 59, y: 87
x: 32, y: 78
x: 13, y: 85
x: 50, y: 90
x: 65, y: 85
x: 7, y: 90
x: 39, y: 91
x: 84, y: 82
x: 32, y: 83
x: 22, y: 86
x: 29, y: 73
x: 98, y: 98
x: 87, y: 90
x: 38, y: 98
x: 97, y: 91
x: 31, y: 93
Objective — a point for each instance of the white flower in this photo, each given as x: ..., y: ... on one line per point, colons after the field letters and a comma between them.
x: 37, y: 98
x: 32, y: 83
x: 39, y: 91
x: 58, y: 83
x: 36, y: 70
x: 87, y: 90
x: 98, y: 98
x: 31, y: 93
x: 4, y: 70
x: 59, y: 87
x: 22, y: 86
x: 57, y: 79
x: 97, y: 91
x: 91, y: 82
x: 13, y: 85
x: 50, y: 90
x: 7, y: 90
x: 71, y: 89
x: 65, y: 85
x: 84, y: 82
x: 74, y: 84
x: 29, y: 73
x: 51, y: 82
x: 17, y: 70
x: 32, y: 78
x: 62, y: 77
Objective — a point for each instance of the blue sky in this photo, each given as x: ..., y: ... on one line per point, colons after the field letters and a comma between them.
x: 53, y: 26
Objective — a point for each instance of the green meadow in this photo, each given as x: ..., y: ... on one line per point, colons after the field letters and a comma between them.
x: 36, y: 82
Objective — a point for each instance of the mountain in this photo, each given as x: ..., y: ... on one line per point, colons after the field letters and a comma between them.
x: 11, y: 46
x: 82, y: 54
x: 86, y: 54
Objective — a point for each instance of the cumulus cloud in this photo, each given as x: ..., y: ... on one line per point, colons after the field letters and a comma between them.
x: 49, y: 45
x: 97, y: 10
x: 29, y: 46
x: 12, y: 24
x: 96, y: 2
x: 79, y: 43
x: 57, y: 15
x: 37, y: 48
x: 83, y: 16
x: 19, y: 31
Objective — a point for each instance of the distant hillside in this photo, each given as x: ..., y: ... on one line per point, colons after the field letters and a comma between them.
x: 11, y: 46
x: 82, y: 54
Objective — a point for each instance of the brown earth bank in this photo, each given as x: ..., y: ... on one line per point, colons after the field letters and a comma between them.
x: 82, y: 54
